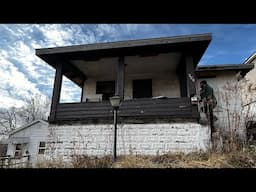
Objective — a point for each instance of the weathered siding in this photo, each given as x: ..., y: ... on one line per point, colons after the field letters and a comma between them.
x: 150, y: 139
x: 37, y: 132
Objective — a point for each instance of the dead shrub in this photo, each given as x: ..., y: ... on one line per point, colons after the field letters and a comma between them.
x: 240, y: 160
x: 56, y: 163
x: 198, y: 156
x: 168, y: 160
x: 85, y: 161
x: 135, y: 161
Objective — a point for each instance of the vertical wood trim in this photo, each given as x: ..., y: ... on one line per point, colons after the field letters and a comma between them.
x: 190, y: 75
x: 82, y: 93
x: 191, y: 82
x: 120, y: 77
x: 181, y: 72
x: 56, y: 91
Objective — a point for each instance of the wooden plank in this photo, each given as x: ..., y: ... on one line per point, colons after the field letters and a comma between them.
x: 82, y: 116
x: 139, y: 102
x: 56, y: 91
x: 129, y: 107
x: 120, y: 77
x: 131, y: 111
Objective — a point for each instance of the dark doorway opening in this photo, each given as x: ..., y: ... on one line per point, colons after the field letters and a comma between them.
x: 142, y: 88
x: 106, y: 88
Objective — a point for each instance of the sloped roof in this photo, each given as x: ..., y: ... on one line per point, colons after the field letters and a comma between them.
x: 250, y: 59
x: 28, y: 125
x: 204, y: 69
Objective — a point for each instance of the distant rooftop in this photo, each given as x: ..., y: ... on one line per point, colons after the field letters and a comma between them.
x: 204, y: 69
x: 250, y: 59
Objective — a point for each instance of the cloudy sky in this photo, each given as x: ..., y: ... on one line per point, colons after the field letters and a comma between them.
x: 22, y: 74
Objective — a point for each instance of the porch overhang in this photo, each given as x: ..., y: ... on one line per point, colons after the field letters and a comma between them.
x: 19, y: 140
x: 195, y: 45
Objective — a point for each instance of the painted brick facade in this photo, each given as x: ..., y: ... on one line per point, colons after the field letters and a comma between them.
x: 148, y: 139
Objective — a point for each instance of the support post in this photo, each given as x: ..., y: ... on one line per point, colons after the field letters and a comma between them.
x: 190, y: 75
x: 120, y: 77
x: 56, y: 92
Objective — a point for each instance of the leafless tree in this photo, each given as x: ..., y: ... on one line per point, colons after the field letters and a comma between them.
x: 36, y: 107
x: 8, y: 119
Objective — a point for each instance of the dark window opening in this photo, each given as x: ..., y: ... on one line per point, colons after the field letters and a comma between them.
x: 142, y: 88
x: 18, y: 150
x: 3, y: 149
x: 42, y: 147
x: 106, y: 88
x: 251, y: 132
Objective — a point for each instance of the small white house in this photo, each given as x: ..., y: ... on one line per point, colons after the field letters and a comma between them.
x: 30, y: 139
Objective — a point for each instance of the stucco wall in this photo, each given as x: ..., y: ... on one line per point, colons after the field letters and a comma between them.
x: 229, y: 109
x: 162, y: 85
x: 37, y: 133
x: 251, y: 75
x: 151, y: 139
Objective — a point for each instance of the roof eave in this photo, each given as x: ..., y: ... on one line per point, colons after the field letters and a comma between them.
x: 125, y: 44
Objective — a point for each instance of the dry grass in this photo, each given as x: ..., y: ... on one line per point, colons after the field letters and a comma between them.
x: 56, y: 163
x: 244, y: 158
x: 84, y: 161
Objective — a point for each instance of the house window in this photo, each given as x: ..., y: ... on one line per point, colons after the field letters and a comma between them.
x: 42, y: 147
x: 142, y: 88
x: 18, y: 150
x: 106, y: 88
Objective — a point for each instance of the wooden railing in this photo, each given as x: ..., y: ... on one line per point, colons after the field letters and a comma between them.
x: 15, y: 162
x: 137, y: 108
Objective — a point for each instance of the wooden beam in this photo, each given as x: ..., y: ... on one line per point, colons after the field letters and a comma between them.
x: 190, y: 75
x: 120, y: 77
x: 181, y: 72
x: 73, y: 73
x: 56, y: 91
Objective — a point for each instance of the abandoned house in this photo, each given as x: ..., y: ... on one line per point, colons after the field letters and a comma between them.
x: 29, y: 140
x: 156, y: 80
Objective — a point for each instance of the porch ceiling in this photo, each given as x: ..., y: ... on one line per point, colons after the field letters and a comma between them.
x: 106, y: 68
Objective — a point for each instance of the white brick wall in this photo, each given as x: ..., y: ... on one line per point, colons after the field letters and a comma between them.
x: 150, y: 139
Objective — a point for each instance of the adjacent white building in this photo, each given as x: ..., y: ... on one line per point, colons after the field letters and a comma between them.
x: 30, y: 139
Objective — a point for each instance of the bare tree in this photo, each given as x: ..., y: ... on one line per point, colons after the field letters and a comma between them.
x: 8, y: 119
x: 37, y: 107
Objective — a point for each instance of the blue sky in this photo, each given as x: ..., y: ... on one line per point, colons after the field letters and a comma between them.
x: 22, y: 74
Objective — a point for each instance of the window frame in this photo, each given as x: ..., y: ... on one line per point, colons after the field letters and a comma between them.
x: 41, y: 148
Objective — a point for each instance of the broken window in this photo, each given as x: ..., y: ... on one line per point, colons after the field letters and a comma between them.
x: 18, y: 150
x: 3, y: 149
x: 106, y: 88
x: 142, y: 88
x: 42, y: 147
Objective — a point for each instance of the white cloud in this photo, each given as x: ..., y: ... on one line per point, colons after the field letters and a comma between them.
x: 55, y: 35
x: 15, y: 78
x: 69, y: 91
x: 8, y: 101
